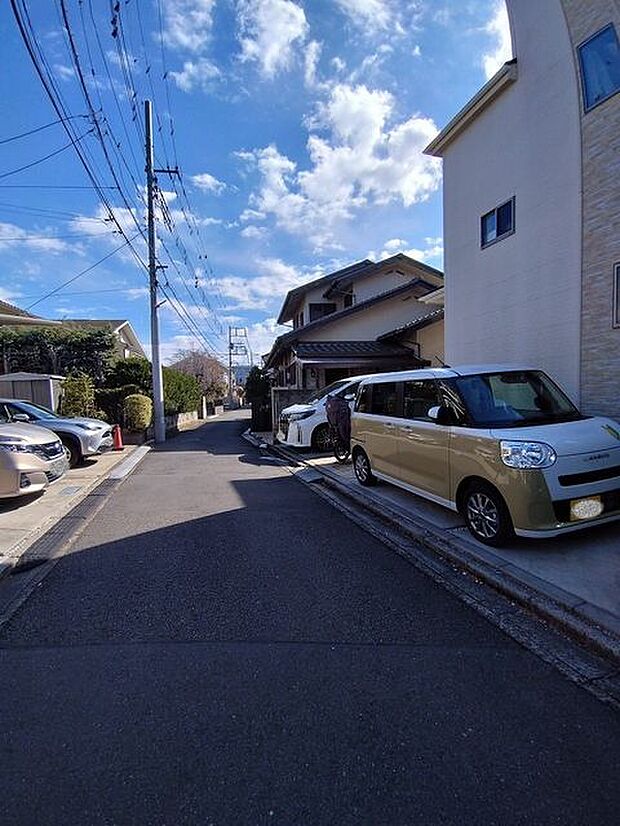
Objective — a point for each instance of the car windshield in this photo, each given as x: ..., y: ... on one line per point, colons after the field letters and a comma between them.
x: 514, y: 399
x: 330, y: 389
x: 35, y: 411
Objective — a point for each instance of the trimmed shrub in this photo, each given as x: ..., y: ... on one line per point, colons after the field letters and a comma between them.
x: 137, y: 412
x: 78, y: 396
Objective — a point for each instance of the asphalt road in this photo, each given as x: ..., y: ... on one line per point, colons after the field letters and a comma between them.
x: 223, y: 647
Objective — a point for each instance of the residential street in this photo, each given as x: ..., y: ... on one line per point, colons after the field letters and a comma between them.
x: 224, y: 647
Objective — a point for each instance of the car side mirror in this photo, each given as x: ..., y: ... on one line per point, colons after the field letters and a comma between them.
x: 20, y: 417
x: 349, y: 397
x: 441, y: 414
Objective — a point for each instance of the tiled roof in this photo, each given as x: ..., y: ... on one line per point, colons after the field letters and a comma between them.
x: 416, y: 324
x: 350, y: 349
x: 10, y: 309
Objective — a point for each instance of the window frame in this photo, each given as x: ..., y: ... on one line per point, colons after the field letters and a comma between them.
x: 321, y: 304
x: 484, y: 244
x: 615, y: 309
x: 582, y: 74
x: 399, y: 400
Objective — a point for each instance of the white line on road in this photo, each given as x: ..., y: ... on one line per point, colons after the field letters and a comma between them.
x: 125, y: 468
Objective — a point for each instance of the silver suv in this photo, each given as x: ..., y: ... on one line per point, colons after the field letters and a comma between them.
x: 80, y: 437
x: 30, y: 458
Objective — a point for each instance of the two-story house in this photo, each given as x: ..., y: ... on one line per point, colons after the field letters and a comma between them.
x: 532, y: 203
x: 360, y: 319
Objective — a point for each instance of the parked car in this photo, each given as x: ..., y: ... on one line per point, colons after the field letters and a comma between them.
x: 30, y: 458
x: 306, y: 425
x: 80, y: 437
x: 504, y: 446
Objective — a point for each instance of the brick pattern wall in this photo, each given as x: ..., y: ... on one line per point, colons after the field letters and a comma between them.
x: 600, y: 341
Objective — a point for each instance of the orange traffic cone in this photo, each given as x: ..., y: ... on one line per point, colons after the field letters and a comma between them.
x: 118, y: 438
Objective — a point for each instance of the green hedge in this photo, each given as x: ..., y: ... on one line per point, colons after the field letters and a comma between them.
x: 182, y: 393
x: 111, y: 401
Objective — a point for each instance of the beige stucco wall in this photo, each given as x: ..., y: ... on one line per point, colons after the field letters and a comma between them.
x: 600, y: 130
x: 519, y: 299
x: 369, y: 323
x: 431, y: 340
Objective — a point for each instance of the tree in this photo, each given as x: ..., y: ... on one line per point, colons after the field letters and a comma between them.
x: 257, y: 385
x: 57, y: 351
x: 207, y: 370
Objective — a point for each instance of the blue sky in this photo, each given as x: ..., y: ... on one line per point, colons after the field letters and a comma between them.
x: 298, y: 128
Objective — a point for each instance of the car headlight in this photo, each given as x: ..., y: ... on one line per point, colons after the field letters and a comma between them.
x: 15, y: 445
x: 527, y: 454
x: 297, y: 417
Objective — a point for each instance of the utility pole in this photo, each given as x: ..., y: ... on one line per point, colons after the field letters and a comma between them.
x: 158, y: 384
x: 230, y: 367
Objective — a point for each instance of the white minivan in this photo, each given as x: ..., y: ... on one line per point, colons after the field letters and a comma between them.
x: 503, y: 445
x: 305, y: 425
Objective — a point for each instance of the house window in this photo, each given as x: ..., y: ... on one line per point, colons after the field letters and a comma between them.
x: 497, y: 224
x: 599, y: 58
x: 616, y: 319
x: 348, y: 300
x: 320, y: 310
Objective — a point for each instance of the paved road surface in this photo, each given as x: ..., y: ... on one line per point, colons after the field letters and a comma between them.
x: 222, y: 647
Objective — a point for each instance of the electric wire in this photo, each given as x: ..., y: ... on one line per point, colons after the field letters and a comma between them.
x: 35, y: 130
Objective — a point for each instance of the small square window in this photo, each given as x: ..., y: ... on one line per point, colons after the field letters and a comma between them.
x: 616, y: 314
x: 599, y: 58
x: 498, y: 223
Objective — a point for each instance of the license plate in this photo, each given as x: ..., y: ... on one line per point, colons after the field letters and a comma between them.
x: 589, y: 507
x: 57, y: 468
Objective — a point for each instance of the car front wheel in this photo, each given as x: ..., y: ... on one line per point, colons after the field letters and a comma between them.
x: 72, y: 452
x: 362, y: 469
x: 486, y: 515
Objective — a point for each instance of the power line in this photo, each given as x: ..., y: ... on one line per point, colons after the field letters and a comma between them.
x: 51, y: 186
x: 37, y: 129
x: 46, y: 157
x: 80, y: 274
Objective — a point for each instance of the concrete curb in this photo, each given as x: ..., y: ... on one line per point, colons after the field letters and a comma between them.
x: 587, y: 624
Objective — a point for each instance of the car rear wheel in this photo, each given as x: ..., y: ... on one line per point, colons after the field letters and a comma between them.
x: 321, y: 439
x: 486, y: 515
x: 362, y: 469
x: 72, y: 452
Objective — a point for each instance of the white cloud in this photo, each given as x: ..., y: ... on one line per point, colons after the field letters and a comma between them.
x: 311, y: 61
x: 262, y: 334
x: 200, y: 74
x: 431, y: 252
x: 416, y: 51
x: 188, y: 23
x: 339, y: 64
x: 64, y: 72
x: 251, y: 215
x: 253, y: 232
x: 376, y: 17
x: 269, y: 30
x: 366, y: 160
x: 14, y: 237
x: 208, y: 183
x: 262, y: 291
x: 498, y: 28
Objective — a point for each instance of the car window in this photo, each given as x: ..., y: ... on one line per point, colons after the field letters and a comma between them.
x: 362, y: 404
x: 33, y: 410
x: 418, y: 398
x: 384, y: 399
x: 4, y: 415
x: 349, y: 390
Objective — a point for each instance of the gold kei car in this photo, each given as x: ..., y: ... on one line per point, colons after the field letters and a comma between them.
x: 502, y: 445
x: 30, y: 459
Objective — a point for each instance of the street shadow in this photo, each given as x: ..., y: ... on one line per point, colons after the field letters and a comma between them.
x: 233, y: 664
x: 15, y: 502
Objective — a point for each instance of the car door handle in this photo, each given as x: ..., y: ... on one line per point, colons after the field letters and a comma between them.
x: 389, y: 426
